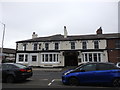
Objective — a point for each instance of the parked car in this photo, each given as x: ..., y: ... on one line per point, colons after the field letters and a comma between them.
x: 118, y: 64
x: 93, y: 73
x: 12, y: 72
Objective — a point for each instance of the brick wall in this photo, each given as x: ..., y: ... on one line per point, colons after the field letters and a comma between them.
x: 113, y: 53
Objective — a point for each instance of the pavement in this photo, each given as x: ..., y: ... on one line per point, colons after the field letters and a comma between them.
x: 54, y: 69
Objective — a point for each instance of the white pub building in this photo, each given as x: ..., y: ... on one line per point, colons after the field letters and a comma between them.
x: 62, y: 50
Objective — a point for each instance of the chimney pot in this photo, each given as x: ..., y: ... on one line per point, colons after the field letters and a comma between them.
x: 65, y: 32
x: 34, y: 35
x: 99, y: 31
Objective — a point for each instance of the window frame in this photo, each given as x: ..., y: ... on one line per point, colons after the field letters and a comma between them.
x: 35, y: 46
x: 72, y: 45
x: 46, y: 46
x: 56, y: 46
x: 50, y: 58
x: 34, y: 57
x: 21, y: 57
x: 84, y: 45
x: 117, y: 44
x: 96, y: 44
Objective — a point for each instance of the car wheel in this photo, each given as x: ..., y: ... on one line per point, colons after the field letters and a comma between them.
x: 116, y: 82
x: 10, y: 79
x: 73, y: 81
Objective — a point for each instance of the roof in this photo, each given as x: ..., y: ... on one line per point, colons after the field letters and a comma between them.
x: 59, y: 37
x: 8, y: 50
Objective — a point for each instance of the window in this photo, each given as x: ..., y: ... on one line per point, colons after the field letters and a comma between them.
x: 84, y: 45
x: 43, y: 57
x: 91, y: 57
x: 86, y: 58
x: 21, y: 58
x: 26, y: 58
x: 35, y: 46
x: 95, y: 57
x: 46, y: 46
x: 117, y: 44
x: 56, y: 46
x: 89, y: 67
x: 99, y: 57
x: 40, y: 46
x: 72, y: 45
x: 24, y: 47
x: 34, y: 58
x: 49, y: 58
x: 106, y: 66
x: 96, y: 44
x: 46, y: 57
x: 20, y: 65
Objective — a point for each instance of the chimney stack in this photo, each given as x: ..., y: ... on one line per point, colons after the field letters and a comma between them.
x: 65, y: 32
x: 99, y: 31
x: 34, y: 35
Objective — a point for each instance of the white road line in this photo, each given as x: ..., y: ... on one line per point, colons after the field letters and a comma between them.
x: 51, y: 82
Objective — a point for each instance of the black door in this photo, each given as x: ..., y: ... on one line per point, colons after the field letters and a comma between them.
x: 71, y: 58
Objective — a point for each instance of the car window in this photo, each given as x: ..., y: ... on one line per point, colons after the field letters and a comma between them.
x: 89, y: 67
x: 8, y: 66
x: 106, y: 66
x: 20, y: 65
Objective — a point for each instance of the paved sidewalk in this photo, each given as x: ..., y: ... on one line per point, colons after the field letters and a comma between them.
x: 48, y: 69
x: 54, y: 69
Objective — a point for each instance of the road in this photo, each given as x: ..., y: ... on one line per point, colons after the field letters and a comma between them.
x: 48, y: 79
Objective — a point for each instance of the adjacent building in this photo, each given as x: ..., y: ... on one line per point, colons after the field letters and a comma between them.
x: 8, y: 55
x: 65, y: 50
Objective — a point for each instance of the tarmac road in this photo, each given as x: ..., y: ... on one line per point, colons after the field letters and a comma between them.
x: 46, y: 78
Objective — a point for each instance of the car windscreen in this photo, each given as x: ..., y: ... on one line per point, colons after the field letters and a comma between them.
x: 20, y: 65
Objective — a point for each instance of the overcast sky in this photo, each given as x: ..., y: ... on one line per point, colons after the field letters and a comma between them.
x: 49, y: 17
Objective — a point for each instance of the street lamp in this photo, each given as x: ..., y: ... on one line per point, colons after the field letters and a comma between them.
x: 2, y: 41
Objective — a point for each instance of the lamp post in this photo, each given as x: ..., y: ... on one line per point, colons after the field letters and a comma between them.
x: 2, y: 41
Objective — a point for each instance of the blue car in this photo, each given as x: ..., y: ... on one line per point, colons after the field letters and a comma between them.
x: 93, y: 73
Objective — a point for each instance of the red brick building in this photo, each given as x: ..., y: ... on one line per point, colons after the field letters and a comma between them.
x: 113, y: 47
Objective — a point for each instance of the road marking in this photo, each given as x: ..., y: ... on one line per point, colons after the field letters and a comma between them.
x: 51, y: 82
x: 43, y: 79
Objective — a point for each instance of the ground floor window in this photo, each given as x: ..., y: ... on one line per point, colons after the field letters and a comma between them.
x: 21, y: 58
x: 34, y: 58
x: 91, y: 57
x: 49, y: 58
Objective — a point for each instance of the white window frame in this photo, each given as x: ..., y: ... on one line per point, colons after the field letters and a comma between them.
x: 24, y: 57
x: 87, y: 55
x: 55, y: 59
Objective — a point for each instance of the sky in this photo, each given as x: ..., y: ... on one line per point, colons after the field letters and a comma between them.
x: 48, y: 17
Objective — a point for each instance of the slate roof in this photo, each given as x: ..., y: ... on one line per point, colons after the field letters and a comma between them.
x: 59, y: 37
x: 8, y: 50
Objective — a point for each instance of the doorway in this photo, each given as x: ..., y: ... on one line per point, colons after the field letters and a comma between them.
x: 71, y: 58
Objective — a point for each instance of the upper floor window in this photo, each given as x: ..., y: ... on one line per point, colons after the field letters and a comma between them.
x: 35, y: 46
x: 96, y: 44
x: 40, y: 46
x: 72, y: 45
x: 84, y: 44
x: 24, y: 46
x: 117, y: 44
x: 56, y: 46
x: 46, y: 46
